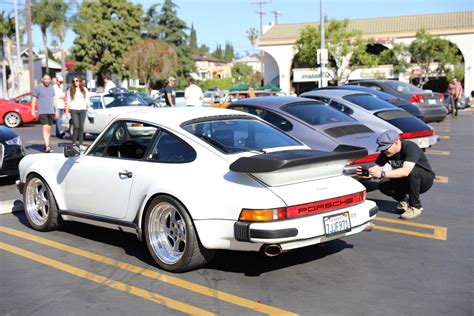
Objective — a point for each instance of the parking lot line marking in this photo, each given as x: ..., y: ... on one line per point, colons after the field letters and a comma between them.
x: 439, y: 232
x: 441, y: 179
x: 444, y: 136
x: 136, y: 291
x: 437, y: 152
x: 230, y: 298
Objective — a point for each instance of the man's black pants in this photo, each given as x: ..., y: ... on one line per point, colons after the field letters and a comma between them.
x: 418, y: 181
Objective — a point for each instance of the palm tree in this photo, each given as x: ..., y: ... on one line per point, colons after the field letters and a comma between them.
x: 43, y: 13
x: 252, y: 35
x: 7, y: 28
x: 58, y: 28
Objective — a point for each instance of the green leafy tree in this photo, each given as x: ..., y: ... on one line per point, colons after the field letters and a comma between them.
x: 218, y: 53
x: 203, y: 50
x: 151, y: 27
x: 59, y: 26
x: 398, y: 56
x: 242, y: 73
x: 223, y: 84
x: 105, y: 31
x: 252, y: 36
x: 228, y: 52
x: 151, y: 59
x: 193, y: 40
x: 43, y: 13
x: 427, y: 49
x: 172, y: 30
x: 346, y: 48
x: 7, y: 30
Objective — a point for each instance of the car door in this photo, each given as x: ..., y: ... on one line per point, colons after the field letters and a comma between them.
x: 99, y: 183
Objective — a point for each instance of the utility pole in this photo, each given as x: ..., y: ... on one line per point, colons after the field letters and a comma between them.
x: 276, y: 14
x: 261, y: 3
x: 18, y: 64
x: 31, y: 67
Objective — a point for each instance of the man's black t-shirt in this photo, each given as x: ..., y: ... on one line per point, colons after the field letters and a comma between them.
x: 409, y: 152
x: 169, y: 89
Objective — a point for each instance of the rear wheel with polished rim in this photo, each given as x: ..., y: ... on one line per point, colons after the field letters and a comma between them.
x: 40, y: 205
x: 171, y: 237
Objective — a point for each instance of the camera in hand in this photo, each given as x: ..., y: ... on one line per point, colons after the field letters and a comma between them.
x: 365, y: 172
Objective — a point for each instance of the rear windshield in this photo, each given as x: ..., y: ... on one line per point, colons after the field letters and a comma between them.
x: 369, y: 102
x: 239, y: 135
x: 403, y: 87
x: 317, y: 113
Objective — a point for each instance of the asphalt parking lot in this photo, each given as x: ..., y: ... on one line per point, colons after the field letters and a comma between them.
x: 419, y: 267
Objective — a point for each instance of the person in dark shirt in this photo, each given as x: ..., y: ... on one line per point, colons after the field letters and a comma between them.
x: 410, y: 176
x: 169, y: 92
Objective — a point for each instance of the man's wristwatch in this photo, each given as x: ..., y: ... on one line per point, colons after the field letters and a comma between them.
x: 382, y: 174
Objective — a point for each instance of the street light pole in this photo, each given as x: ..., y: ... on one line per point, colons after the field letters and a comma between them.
x: 18, y: 64
x: 322, y: 77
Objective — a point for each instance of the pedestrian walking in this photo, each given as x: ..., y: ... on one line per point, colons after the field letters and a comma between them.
x: 78, y: 98
x: 108, y: 83
x: 170, y: 95
x: 193, y: 94
x: 455, y: 92
x: 60, y: 96
x: 411, y: 173
x: 45, y: 99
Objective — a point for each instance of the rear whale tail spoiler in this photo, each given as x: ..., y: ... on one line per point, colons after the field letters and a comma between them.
x: 291, y: 159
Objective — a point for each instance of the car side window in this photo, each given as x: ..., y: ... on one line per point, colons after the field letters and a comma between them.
x: 125, y: 140
x: 341, y: 107
x: 170, y: 149
x: 96, y: 103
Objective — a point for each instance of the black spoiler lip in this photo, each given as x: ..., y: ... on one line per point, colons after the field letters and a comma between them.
x: 293, y: 158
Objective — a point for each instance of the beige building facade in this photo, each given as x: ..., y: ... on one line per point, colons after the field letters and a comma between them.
x: 278, y: 42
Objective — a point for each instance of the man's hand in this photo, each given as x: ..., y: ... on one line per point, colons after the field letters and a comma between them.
x: 360, y: 174
x: 33, y: 113
x: 376, y: 171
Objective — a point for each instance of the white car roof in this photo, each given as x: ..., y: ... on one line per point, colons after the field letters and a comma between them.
x: 174, y: 117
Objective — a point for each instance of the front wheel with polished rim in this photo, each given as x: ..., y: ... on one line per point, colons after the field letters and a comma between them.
x: 40, y: 205
x: 171, y: 237
x: 12, y: 119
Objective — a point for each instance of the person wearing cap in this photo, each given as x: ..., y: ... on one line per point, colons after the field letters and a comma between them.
x: 170, y: 95
x: 411, y: 173
x: 60, y: 96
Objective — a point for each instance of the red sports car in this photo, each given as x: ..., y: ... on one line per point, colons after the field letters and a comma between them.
x: 15, y: 114
x: 24, y: 98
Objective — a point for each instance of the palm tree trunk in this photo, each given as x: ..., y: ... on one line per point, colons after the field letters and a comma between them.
x: 45, y: 44
x: 63, y: 58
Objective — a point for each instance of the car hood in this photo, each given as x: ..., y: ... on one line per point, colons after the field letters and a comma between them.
x: 6, y: 134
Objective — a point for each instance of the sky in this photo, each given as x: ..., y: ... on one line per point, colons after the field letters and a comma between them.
x: 218, y: 21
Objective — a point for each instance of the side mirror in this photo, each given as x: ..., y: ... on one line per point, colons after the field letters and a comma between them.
x: 71, y: 151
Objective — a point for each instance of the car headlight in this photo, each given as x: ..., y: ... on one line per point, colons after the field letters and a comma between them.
x: 14, y: 141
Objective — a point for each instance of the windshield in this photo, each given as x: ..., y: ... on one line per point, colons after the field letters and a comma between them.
x: 123, y: 99
x: 239, y: 135
x: 369, y: 102
x: 317, y: 113
x: 403, y: 87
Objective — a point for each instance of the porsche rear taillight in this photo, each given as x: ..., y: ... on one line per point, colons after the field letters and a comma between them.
x: 369, y: 158
x: 250, y: 215
x: 416, y: 98
x: 417, y: 134
x: 441, y: 97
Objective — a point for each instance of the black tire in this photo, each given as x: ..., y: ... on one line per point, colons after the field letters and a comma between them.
x: 40, y: 205
x: 166, y: 219
x: 12, y: 120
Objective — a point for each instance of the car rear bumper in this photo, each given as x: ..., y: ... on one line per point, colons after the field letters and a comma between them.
x: 288, y: 234
x: 425, y: 142
x: 434, y: 117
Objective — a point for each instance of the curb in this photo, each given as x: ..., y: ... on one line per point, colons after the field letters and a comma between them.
x: 11, y: 206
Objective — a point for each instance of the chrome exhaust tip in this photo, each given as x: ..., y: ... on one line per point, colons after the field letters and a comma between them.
x: 370, y: 227
x: 271, y: 250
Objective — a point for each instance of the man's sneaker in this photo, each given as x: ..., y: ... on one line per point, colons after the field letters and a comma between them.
x: 412, y: 212
x: 48, y: 149
x: 403, y: 205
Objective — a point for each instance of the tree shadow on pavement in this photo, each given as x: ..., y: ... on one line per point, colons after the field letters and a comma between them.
x: 253, y: 264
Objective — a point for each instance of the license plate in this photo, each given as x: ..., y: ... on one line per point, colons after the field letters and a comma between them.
x: 431, y: 101
x: 423, y: 142
x: 337, y: 224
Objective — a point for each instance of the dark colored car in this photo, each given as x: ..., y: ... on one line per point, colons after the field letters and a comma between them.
x: 148, y: 99
x: 430, y: 103
x: 401, y: 103
x: 11, y: 152
x: 314, y: 123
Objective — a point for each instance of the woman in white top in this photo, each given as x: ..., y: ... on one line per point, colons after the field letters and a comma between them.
x: 78, y: 100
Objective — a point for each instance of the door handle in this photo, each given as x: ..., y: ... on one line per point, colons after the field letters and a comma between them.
x: 126, y: 173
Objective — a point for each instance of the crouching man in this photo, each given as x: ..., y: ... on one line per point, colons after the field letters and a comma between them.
x: 410, y: 176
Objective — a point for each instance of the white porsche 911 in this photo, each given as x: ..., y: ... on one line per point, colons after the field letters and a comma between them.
x: 189, y: 181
